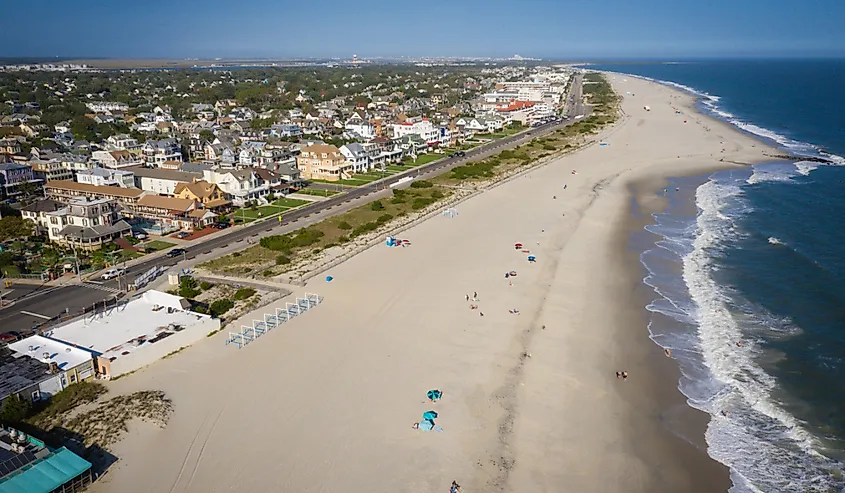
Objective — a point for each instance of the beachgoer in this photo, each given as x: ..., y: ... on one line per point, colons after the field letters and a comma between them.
x: 618, y: 375
x: 724, y: 413
x: 624, y: 375
x: 668, y: 352
x: 481, y: 313
x: 564, y: 187
x: 554, y: 196
x: 544, y: 327
x: 416, y: 426
x: 467, y: 297
x: 475, y: 294
x: 738, y: 343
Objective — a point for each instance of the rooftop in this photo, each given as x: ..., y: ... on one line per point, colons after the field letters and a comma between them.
x: 46, y: 474
x: 166, y: 174
x: 129, y: 326
x: 16, y: 374
x: 49, y: 351
x: 84, y: 187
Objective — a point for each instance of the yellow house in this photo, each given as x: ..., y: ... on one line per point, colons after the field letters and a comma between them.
x: 207, y: 194
x: 323, y: 162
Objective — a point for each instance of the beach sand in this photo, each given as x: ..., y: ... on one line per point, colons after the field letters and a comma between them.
x: 327, y: 401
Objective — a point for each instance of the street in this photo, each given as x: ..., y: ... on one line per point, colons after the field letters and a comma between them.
x: 73, y: 298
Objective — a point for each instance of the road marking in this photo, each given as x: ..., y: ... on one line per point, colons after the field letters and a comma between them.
x: 45, y: 317
x: 94, y: 282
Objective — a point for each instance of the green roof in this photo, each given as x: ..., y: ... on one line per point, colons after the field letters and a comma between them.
x: 45, y: 475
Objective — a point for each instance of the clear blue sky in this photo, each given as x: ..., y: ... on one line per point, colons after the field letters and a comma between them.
x: 564, y: 29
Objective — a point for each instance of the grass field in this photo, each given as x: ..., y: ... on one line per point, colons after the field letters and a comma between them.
x: 318, y: 193
x: 156, y: 245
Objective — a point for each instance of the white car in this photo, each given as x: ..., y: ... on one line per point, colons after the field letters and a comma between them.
x: 112, y: 273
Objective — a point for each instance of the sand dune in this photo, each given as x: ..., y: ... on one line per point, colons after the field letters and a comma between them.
x: 326, y: 402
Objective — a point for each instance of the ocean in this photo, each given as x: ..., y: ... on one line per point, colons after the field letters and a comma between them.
x: 750, y: 283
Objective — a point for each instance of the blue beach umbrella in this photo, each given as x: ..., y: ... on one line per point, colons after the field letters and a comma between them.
x: 429, y: 415
x: 435, y: 394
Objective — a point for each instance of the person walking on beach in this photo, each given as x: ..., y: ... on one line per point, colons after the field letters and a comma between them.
x: 475, y: 294
x: 467, y: 297
x: 481, y: 313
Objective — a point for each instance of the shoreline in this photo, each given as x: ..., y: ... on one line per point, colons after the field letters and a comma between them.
x: 525, y: 408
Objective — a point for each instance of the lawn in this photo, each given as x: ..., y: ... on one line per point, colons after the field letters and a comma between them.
x: 425, y: 159
x: 318, y: 192
x: 156, y: 245
x: 290, y: 203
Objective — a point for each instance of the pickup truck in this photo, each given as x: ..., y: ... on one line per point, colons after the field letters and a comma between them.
x: 112, y: 273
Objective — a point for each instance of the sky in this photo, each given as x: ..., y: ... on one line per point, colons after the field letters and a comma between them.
x: 551, y: 29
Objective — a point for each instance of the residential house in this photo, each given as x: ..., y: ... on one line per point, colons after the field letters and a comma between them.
x: 240, y: 186
x: 87, y: 223
x: 107, y: 106
x: 162, y: 181
x: 286, y: 130
x: 288, y: 171
x: 360, y: 129
x: 37, y: 213
x: 50, y: 170
x: 323, y: 162
x: 72, y: 162
x: 362, y: 158
x: 106, y: 177
x: 422, y: 127
x: 14, y: 178
x: 250, y: 152
x: 66, y: 364
x: 159, y: 151
x: 412, y: 145
x: 517, y: 111
x: 10, y: 146
x: 208, y: 194
x: 171, y: 165
x: 117, y: 159
x: 66, y: 191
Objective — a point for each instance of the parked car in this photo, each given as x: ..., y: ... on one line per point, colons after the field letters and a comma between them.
x: 10, y: 337
x: 176, y: 252
x: 139, y: 235
x: 221, y: 225
x: 112, y: 273
x: 460, y: 154
x: 183, y: 235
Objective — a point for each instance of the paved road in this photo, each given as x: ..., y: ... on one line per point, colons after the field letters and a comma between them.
x: 76, y: 297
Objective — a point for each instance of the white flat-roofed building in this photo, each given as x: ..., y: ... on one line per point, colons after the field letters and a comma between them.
x: 133, y: 334
x: 67, y: 364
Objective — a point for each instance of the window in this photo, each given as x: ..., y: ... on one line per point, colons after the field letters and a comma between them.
x: 73, y: 378
x: 36, y: 396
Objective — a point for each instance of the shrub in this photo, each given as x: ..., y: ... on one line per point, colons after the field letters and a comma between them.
x: 399, y: 192
x: 548, y: 147
x: 188, y: 287
x: 397, y: 200
x: 344, y: 225
x: 243, y: 293
x: 14, y: 409
x: 267, y: 273
x: 343, y: 239
x: 286, y: 243
x: 201, y: 309
x: 422, y: 184
x: 421, y: 203
x: 377, y: 206
x: 219, y: 307
x: 364, y: 228
x: 437, y: 195
x: 205, y: 285
x: 282, y: 260
x: 384, y: 218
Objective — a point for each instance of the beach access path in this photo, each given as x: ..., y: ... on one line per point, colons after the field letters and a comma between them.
x: 326, y: 402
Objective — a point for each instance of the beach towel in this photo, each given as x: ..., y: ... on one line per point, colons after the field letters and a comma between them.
x: 428, y: 426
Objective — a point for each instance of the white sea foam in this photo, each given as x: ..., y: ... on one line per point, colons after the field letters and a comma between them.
x: 769, y: 172
x: 775, y: 241
x: 766, y: 448
x: 805, y: 167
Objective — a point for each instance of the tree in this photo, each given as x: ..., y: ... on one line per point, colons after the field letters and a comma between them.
x: 13, y: 227
x: 207, y: 135
x: 14, y: 409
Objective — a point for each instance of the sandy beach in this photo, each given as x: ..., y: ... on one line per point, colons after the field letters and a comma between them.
x: 326, y: 402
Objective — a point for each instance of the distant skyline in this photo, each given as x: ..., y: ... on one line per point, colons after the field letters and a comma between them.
x: 551, y: 29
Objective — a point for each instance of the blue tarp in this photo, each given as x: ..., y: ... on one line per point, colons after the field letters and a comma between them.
x: 45, y: 475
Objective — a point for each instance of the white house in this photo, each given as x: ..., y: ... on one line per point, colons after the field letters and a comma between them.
x: 360, y: 128
x: 159, y: 151
x: 122, y: 142
x: 240, y: 186
x: 116, y: 159
x: 360, y: 156
x: 106, y: 177
x: 428, y: 132
x: 106, y: 106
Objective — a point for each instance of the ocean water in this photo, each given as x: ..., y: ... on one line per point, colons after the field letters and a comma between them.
x: 750, y: 288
